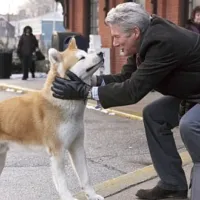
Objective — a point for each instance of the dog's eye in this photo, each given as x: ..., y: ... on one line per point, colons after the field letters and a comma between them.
x: 82, y: 58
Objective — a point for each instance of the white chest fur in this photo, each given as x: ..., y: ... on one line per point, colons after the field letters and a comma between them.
x: 71, y: 124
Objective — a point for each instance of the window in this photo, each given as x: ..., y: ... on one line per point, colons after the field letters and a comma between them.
x: 190, y: 7
x: 94, y: 19
x: 142, y: 2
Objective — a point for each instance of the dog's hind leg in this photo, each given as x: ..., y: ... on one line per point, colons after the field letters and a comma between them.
x: 77, y: 153
x: 3, y: 153
x: 59, y: 176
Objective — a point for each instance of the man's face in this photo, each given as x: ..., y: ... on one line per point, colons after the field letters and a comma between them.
x: 127, y: 42
x: 197, y: 18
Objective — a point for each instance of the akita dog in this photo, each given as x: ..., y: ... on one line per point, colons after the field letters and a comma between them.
x: 39, y: 119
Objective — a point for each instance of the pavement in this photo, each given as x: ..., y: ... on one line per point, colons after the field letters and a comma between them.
x: 124, y: 186
x: 129, y: 193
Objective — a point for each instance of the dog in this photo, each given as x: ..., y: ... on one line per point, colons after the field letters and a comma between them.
x: 39, y: 119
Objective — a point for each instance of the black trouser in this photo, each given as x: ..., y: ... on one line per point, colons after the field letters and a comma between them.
x: 160, y: 117
x: 32, y: 69
x: 28, y: 63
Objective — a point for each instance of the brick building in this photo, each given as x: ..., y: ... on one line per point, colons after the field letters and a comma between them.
x: 87, y: 17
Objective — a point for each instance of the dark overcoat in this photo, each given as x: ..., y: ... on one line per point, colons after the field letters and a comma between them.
x: 170, y: 64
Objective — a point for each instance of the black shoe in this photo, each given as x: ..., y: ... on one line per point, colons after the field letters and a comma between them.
x: 24, y: 78
x: 157, y: 193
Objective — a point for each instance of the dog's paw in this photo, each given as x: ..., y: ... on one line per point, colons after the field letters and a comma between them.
x: 96, y: 197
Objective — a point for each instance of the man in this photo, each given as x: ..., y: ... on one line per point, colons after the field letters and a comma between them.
x: 27, y: 46
x: 169, y: 63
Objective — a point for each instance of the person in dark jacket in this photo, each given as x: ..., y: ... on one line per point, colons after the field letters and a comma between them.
x: 193, y: 23
x: 161, y: 56
x: 27, y: 46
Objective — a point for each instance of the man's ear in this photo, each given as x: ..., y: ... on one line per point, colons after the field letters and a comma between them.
x: 137, y: 32
x: 54, y: 56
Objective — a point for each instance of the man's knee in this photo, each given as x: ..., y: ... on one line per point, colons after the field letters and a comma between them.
x: 148, y: 111
x: 156, y: 109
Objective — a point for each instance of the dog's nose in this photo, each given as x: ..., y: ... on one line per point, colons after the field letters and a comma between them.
x: 100, y: 54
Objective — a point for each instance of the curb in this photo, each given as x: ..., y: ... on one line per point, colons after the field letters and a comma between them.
x: 116, y: 112
x: 123, y: 182
x: 15, y: 88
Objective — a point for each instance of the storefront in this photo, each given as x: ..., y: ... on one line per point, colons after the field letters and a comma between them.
x: 87, y: 17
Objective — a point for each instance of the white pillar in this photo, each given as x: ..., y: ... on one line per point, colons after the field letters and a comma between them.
x: 95, y: 45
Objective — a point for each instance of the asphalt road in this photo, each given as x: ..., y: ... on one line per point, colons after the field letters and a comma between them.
x: 114, y: 146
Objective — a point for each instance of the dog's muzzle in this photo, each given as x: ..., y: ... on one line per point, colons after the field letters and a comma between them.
x: 101, y: 55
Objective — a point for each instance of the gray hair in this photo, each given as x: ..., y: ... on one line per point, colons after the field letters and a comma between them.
x: 127, y: 16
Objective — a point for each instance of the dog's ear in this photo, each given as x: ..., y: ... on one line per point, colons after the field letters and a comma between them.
x: 72, y: 44
x: 54, y: 56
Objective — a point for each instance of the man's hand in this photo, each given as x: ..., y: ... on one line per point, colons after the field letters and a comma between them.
x: 73, y: 89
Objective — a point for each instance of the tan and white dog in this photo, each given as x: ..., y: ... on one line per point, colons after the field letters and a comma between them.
x: 39, y: 119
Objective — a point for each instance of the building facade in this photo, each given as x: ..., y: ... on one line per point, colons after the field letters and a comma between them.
x: 43, y: 27
x: 7, y: 33
x: 87, y: 17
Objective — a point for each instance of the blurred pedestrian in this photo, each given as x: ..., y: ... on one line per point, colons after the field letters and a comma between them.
x: 27, y: 47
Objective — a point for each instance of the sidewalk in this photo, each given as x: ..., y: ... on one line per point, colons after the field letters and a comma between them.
x: 125, y: 187
x: 129, y: 194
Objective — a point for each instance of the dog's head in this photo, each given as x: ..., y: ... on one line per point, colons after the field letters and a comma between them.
x: 82, y: 64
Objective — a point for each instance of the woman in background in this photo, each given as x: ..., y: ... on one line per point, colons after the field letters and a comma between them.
x: 193, y: 23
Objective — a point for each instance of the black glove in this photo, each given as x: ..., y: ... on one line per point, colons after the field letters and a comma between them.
x: 73, y: 89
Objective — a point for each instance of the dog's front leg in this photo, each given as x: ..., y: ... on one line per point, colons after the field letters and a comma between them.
x: 78, y: 156
x: 59, y: 176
